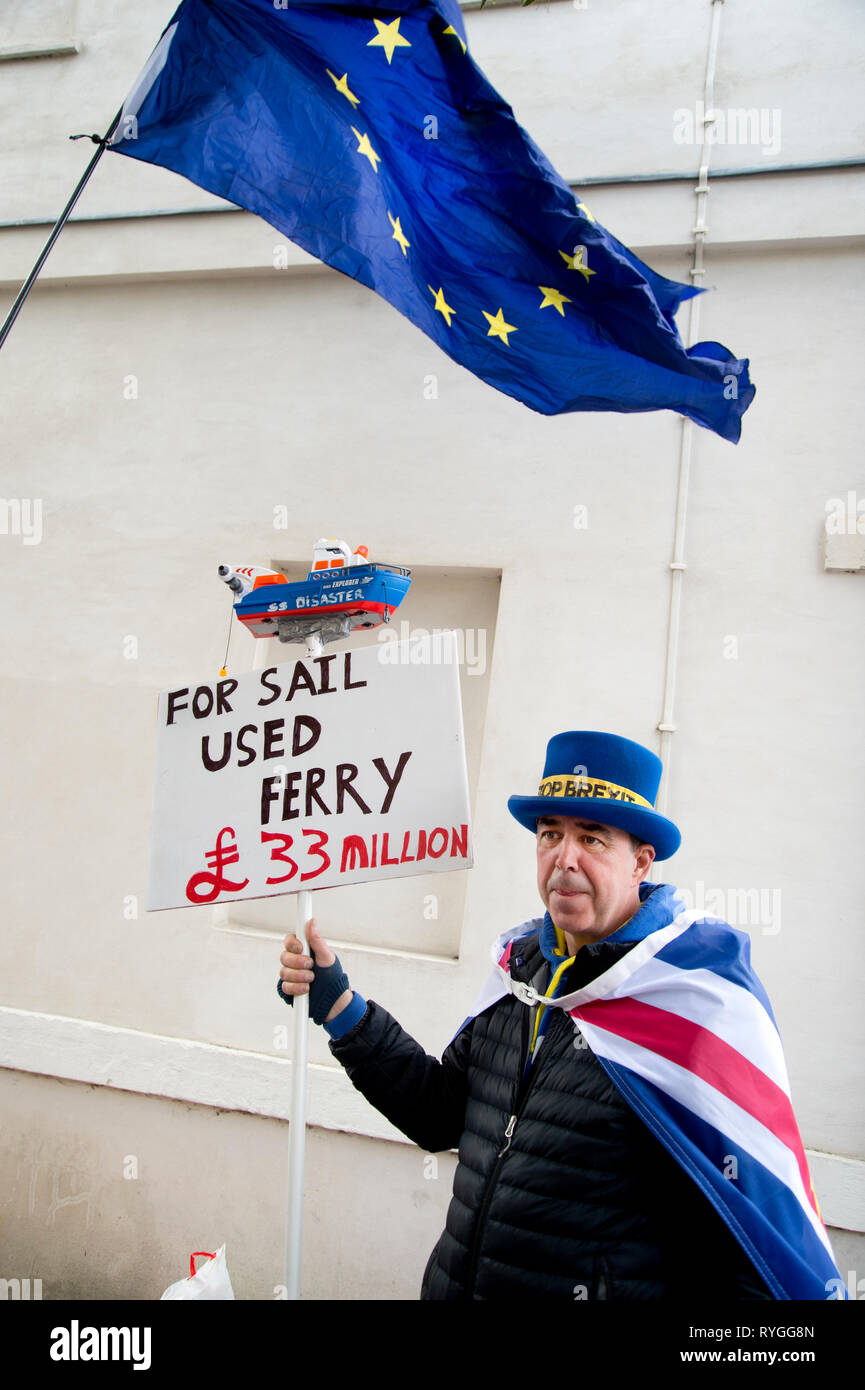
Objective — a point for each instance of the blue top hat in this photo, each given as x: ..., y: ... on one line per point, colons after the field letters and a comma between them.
x: 603, y: 778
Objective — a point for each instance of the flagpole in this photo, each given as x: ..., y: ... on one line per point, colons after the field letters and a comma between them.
x: 58, y: 225
x: 299, y: 1078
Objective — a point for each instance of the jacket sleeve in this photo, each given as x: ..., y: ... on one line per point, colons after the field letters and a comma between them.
x: 423, y: 1097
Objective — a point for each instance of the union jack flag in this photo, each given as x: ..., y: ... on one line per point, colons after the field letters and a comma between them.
x: 685, y: 1031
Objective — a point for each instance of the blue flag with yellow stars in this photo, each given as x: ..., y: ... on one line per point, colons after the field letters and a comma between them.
x: 366, y: 133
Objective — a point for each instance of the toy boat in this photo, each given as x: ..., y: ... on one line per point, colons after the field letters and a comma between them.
x: 342, y: 592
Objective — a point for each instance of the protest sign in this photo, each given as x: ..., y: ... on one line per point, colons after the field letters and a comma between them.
x: 313, y: 773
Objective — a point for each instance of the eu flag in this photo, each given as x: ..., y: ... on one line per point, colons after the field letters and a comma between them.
x: 365, y: 132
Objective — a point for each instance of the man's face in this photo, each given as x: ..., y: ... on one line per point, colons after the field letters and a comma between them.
x: 588, y: 876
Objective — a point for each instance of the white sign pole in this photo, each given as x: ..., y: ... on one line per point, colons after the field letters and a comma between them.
x: 297, y: 1122
x: 300, y: 1054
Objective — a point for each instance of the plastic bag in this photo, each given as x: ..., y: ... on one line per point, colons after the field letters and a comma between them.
x: 211, y: 1281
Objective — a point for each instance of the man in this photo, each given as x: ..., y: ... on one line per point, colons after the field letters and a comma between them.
x: 618, y: 1096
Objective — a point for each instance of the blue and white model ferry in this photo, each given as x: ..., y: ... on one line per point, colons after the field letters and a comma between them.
x: 343, y: 591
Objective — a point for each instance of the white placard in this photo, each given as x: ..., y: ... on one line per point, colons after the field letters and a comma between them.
x: 312, y: 773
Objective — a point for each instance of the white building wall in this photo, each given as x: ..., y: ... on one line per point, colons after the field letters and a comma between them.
x: 166, y: 387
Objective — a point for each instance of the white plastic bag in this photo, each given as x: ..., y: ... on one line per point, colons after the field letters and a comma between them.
x: 211, y: 1281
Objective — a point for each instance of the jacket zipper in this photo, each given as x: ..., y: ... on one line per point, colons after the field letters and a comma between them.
x: 508, y: 1135
x: 522, y: 1097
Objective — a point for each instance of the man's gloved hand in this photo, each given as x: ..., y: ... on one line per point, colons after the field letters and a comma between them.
x: 324, y: 980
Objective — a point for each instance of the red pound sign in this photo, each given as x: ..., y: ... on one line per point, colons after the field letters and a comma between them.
x: 217, y: 859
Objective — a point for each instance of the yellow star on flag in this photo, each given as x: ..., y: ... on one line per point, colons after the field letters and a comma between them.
x: 575, y: 262
x: 441, y: 304
x: 341, y: 84
x: 398, y: 234
x: 364, y: 147
x: 451, y: 30
x: 581, y: 207
x: 388, y: 37
x: 553, y: 297
x: 497, y: 327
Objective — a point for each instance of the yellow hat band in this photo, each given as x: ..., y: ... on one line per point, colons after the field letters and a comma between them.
x: 589, y: 787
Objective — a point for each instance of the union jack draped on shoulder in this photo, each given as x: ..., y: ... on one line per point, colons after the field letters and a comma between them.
x: 685, y: 1031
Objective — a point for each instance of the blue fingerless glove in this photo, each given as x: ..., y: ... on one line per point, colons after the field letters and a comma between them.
x: 330, y: 982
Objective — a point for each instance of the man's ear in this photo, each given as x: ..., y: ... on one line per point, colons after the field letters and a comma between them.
x: 644, y: 856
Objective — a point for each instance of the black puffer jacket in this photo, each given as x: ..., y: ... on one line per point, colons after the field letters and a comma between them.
x: 572, y: 1199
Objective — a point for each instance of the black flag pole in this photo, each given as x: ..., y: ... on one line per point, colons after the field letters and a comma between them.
x: 101, y: 141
